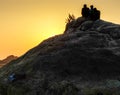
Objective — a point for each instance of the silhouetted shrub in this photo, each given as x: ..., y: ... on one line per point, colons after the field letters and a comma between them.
x: 70, y: 18
x: 69, y: 21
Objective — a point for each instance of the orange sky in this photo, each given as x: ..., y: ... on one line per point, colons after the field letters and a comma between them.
x: 25, y: 23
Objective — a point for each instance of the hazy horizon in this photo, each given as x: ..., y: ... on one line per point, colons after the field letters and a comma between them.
x: 25, y: 23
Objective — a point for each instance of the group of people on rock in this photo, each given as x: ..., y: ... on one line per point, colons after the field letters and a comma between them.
x: 91, y: 13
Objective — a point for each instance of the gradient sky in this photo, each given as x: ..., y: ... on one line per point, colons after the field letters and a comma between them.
x: 25, y: 23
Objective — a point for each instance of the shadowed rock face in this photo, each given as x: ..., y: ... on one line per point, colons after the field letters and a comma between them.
x: 86, y: 51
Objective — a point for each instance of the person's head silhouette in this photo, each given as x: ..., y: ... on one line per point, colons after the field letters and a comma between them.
x: 95, y: 9
x: 85, y: 6
x: 85, y: 11
x: 91, y: 6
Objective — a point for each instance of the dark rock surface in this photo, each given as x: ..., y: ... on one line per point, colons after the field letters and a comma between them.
x: 86, y: 55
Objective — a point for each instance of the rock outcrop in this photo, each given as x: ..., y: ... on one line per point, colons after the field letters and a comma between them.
x: 87, y: 54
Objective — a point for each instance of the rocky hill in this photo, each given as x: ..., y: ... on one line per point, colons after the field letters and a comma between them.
x: 7, y: 60
x: 85, y: 59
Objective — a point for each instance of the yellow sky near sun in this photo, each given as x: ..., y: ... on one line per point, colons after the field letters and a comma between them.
x: 25, y: 23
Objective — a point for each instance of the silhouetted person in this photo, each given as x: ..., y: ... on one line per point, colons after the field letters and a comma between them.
x: 91, y: 12
x: 85, y: 11
x: 96, y: 14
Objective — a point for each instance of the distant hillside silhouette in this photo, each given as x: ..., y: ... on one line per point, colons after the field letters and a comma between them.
x: 7, y: 60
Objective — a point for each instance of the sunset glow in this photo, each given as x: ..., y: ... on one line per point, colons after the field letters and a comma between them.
x: 25, y: 23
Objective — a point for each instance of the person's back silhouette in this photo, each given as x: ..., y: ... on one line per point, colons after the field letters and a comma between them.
x: 85, y: 11
x: 91, y: 12
x: 96, y: 14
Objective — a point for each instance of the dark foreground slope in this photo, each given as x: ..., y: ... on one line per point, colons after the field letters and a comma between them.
x: 86, y: 55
